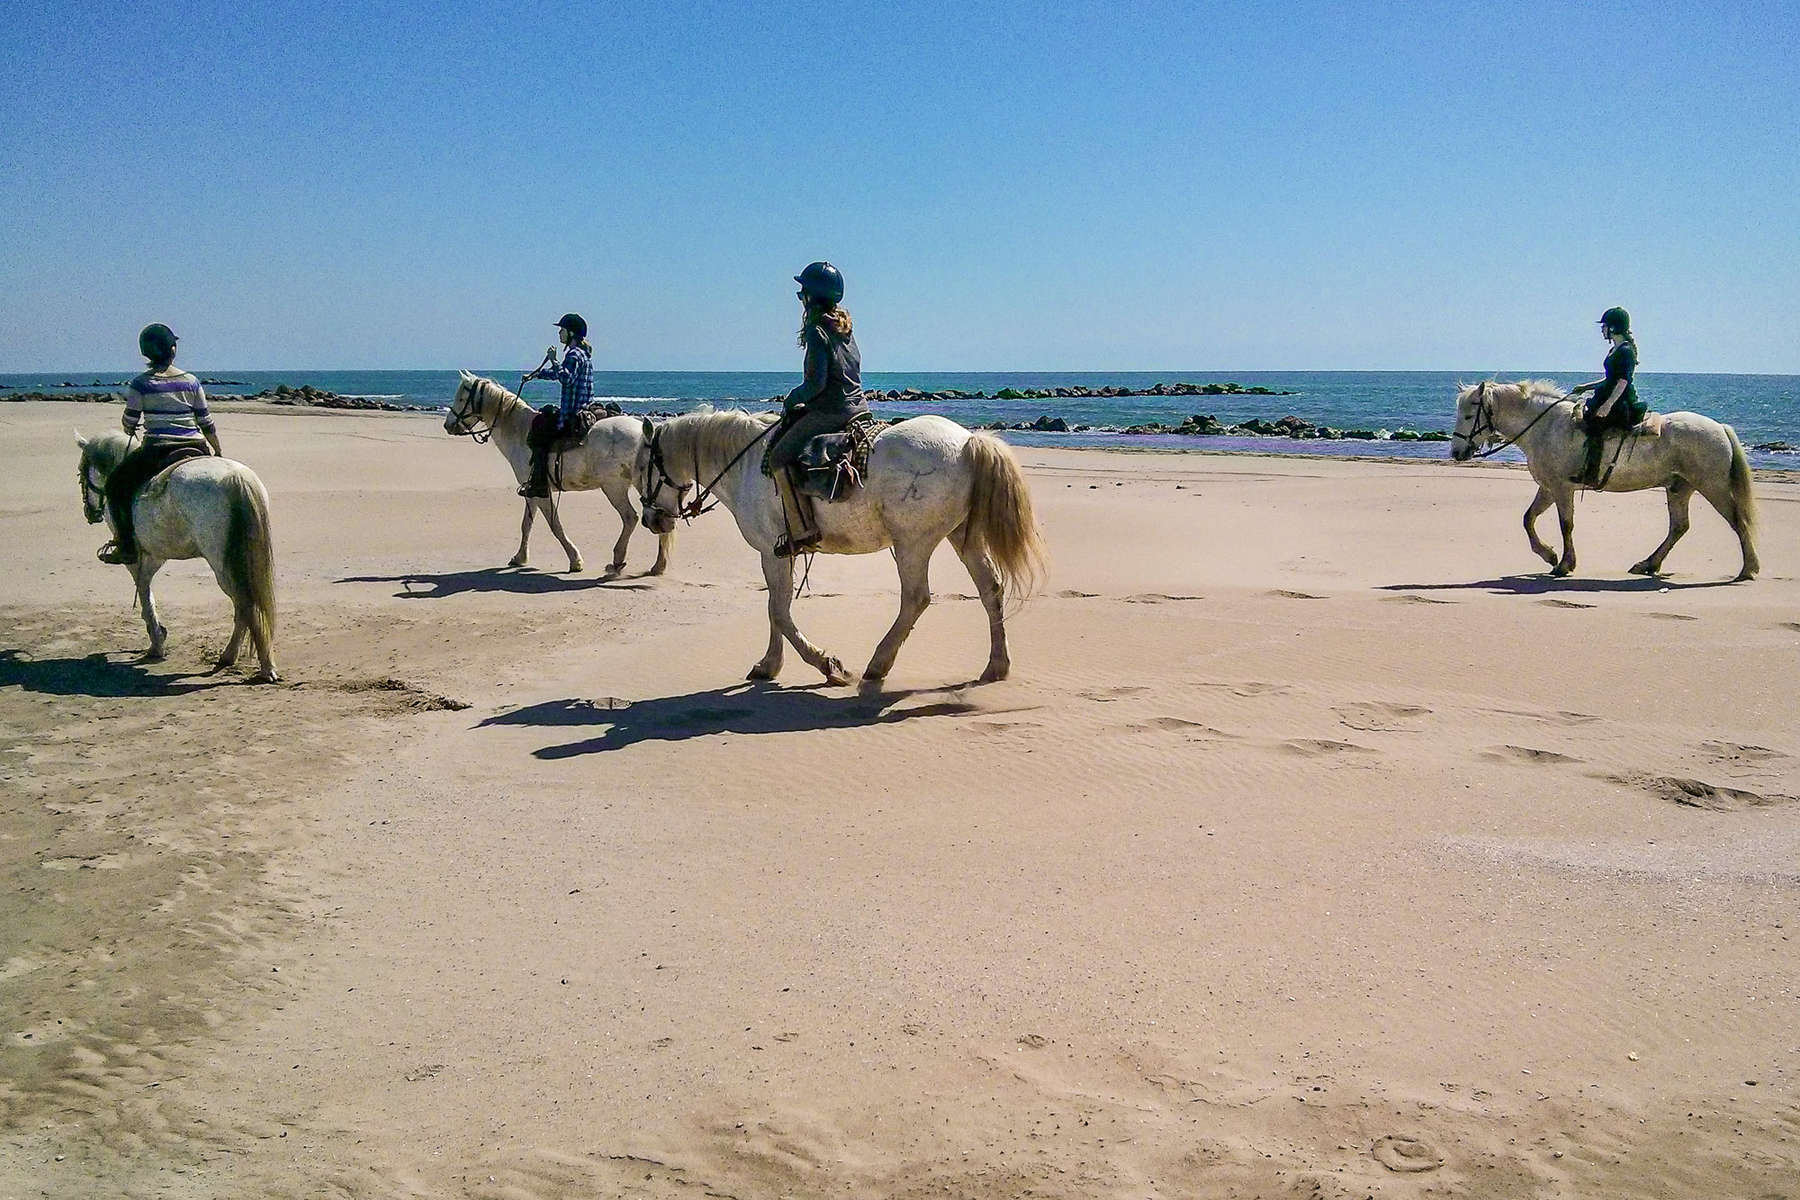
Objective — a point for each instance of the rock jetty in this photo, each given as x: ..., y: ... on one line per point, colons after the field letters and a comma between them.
x: 308, y: 396
x: 1076, y: 392
x: 1207, y: 425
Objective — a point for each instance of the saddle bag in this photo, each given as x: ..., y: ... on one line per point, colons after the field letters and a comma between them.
x: 833, y: 465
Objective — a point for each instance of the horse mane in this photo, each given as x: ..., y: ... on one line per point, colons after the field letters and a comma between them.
x: 1529, y: 388
x: 714, y: 437
x: 481, y: 387
x: 105, y: 451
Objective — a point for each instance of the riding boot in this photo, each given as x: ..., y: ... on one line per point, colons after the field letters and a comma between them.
x: 122, y: 550
x: 796, y: 513
x: 538, y: 486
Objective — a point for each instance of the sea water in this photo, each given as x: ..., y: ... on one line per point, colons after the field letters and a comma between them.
x: 1763, y: 408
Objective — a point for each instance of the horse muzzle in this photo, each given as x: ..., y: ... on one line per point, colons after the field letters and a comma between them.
x: 1461, y: 453
x: 658, y: 522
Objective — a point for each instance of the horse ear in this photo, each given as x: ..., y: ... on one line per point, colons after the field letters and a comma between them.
x: 80, y: 441
x: 649, y: 428
x: 466, y: 376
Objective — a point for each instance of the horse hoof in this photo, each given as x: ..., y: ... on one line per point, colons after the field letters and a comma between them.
x: 1745, y: 577
x: 575, y: 567
x: 835, y: 673
x: 1560, y: 570
x: 994, y: 674
x: 518, y: 560
x: 1643, y: 568
x: 658, y: 569
x: 265, y: 677
x: 760, y: 674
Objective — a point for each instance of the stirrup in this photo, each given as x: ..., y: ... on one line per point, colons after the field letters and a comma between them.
x: 115, y: 555
x: 532, y: 490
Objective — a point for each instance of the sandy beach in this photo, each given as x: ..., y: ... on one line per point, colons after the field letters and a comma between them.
x: 1319, y: 846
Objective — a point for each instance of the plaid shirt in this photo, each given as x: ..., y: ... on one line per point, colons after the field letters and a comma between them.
x: 576, y: 371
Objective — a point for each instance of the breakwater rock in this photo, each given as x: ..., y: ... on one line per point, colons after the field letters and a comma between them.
x: 311, y: 397
x: 1076, y: 392
x: 1207, y: 425
x: 1776, y: 448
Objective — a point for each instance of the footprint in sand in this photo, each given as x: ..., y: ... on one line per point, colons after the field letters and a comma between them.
x: 1321, y: 747
x: 1104, y: 695
x: 1285, y: 594
x: 1158, y: 598
x: 1252, y: 687
x: 1407, y: 1155
x: 1741, y: 753
x: 990, y: 728
x: 1668, y: 616
x: 1552, y: 602
x: 1527, y: 754
x: 1193, y: 729
x: 1410, y: 598
x: 1375, y: 716
x: 1791, y: 626
x: 1072, y: 594
x: 1697, y: 793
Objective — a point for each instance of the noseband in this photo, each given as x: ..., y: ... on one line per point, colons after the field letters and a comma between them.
x: 1484, y: 417
x: 658, y: 477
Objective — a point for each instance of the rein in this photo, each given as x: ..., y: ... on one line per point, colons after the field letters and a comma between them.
x: 705, y: 499
x: 1484, y: 411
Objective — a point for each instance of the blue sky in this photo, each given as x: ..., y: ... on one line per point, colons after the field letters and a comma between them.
x: 1118, y: 186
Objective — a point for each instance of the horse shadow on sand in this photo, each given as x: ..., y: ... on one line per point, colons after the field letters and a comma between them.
x: 106, y: 676
x: 746, y: 708
x: 1545, y: 584
x: 520, y: 581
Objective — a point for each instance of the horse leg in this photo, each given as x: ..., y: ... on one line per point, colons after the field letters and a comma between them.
x: 239, y: 628
x: 555, y: 519
x: 1539, y: 503
x: 518, y: 560
x: 1565, y: 517
x: 664, y: 544
x: 143, y: 572
x: 982, y: 572
x: 620, y: 498
x: 1718, y: 494
x: 1680, y: 492
x: 915, y: 597
x: 778, y: 573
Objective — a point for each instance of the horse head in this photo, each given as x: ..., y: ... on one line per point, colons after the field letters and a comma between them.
x: 465, y: 415
x: 99, y: 456
x: 1474, y: 422
x: 662, y: 495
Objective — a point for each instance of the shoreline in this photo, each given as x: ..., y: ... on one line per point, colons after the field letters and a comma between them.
x: 1775, y: 474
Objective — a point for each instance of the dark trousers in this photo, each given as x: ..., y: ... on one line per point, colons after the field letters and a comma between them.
x: 544, y: 428
x: 1623, y: 416
x: 786, y: 450
x: 133, y: 472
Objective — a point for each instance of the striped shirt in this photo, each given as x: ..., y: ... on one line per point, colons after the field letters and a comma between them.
x: 168, y: 406
x: 576, y: 371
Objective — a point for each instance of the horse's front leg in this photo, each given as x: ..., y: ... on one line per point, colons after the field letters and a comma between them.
x: 915, y: 597
x: 1679, y: 494
x: 1565, y: 517
x: 778, y: 573
x: 555, y: 519
x: 620, y: 498
x: 519, y: 559
x: 146, y: 569
x: 1539, y: 503
x: 664, y: 544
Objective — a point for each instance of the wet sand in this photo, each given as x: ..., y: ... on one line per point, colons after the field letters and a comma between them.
x: 1318, y: 846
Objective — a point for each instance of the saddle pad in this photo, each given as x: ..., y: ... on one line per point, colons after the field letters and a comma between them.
x: 584, y: 421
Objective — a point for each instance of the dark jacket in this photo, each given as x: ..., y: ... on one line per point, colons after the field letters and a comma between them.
x: 1628, y: 411
x: 833, y: 382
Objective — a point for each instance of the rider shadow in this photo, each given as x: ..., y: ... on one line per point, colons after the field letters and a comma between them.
x: 747, y: 708
x: 100, y: 675
x: 1543, y: 584
x: 516, y: 580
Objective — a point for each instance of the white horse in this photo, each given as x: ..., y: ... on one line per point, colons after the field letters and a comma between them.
x: 604, y: 460
x: 211, y: 508
x: 1691, y: 454
x: 928, y: 479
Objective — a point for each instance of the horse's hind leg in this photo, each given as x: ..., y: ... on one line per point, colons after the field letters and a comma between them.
x: 240, y: 626
x: 915, y: 597
x: 555, y: 518
x: 620, y: 498
x: 1539, y: 503
x: 1680, y: 492
x: 982, y: 572
x: 778, y: 573
x: 144, y: 571
x: 519, y: 559
x: 1718, y: 494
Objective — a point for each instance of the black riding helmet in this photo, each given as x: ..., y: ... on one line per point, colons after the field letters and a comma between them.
x: 574, y: 324
x: 157, y: 342
x: 1615, y: 320
x: 822, y: 282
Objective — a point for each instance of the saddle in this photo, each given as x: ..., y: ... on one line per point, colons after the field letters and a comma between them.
x: 167, y: 460
x: 585, y: 419
x: 833, y: 465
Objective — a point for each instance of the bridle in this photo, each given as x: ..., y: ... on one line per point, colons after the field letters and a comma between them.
x: 1484, y: 424
x: 93, y: 499
x: 705, y: 499
x: 466, y: 422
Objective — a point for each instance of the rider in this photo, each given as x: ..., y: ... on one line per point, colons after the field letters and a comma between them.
x: 827, y: 400
x: 1614, y: 403
x: 576, y: 373
x: 170, y: 406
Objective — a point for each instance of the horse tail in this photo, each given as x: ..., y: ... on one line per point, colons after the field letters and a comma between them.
x: 1743, y: 496
x: 250, y: 556
x: 1000, y: 522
